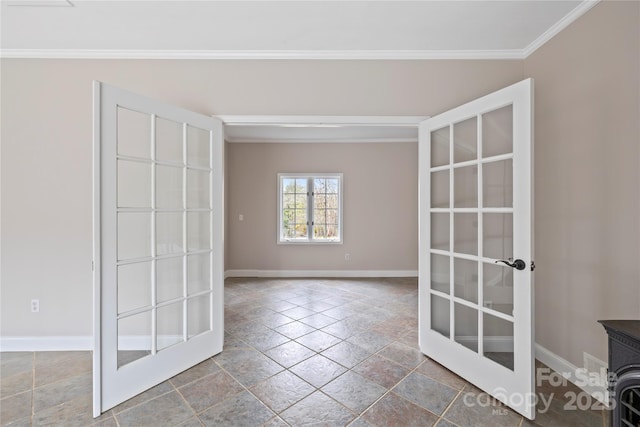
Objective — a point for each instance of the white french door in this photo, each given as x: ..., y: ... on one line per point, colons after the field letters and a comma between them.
x: 476, y: 243
x: 158, y: 242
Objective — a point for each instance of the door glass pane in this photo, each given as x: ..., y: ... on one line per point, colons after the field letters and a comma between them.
x: 465, y: 233
x: 134, y: 338
x: 168, y: 140
x: 198, y: 230
x: 134, y: 235
x: 498, y: 235
x: 498, y: 340
x: 134, y: 133
x: 440, y: 147
x: 169, y: 233
x: 497, y: 132
x: 440, y: 189
x: 465, y: 140
x: 134, y: 286
x: 498, y: 288
x: 168, y: 187
x: 465, y: 279
x: 198, y: 193
x: 497, y: 183
x: 465, y: 187
x: 199, y: 273
x: 440, y: 315
x: 466, y: 326
x: 169, y: 325
x: 199, y: 315
x: 134, y: 184
x: 440, y: 273
x: 169, y: 279
x: 440, y: 231
x: 198, y: 147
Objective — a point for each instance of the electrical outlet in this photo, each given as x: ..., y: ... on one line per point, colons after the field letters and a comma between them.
x: 347, y: 257
x: 35, y: 305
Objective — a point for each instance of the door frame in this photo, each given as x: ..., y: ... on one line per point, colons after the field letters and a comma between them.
x: 320, y: 129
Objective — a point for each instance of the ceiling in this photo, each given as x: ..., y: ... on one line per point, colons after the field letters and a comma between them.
x: 326, y: 29
x: 290, y: 29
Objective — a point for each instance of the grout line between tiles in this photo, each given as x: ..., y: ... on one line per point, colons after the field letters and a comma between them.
x: 444, y: 411
x: 373, y: 302
x: 187, y: 403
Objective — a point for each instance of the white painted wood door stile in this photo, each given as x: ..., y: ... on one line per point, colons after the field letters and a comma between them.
x: 476, y: 243
x: 158, y: 242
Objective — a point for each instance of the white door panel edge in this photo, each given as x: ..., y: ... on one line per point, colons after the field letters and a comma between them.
x: 463, y: 354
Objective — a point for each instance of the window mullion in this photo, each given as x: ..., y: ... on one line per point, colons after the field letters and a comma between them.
x: 310, y: 218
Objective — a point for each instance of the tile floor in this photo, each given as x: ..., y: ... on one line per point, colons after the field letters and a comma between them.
x: 297, y: 352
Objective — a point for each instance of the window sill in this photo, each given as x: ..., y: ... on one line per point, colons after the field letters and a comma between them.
x: 309, y: 242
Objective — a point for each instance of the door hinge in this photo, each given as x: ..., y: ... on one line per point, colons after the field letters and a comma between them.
x: 93, y: 266
x: 533, y: 265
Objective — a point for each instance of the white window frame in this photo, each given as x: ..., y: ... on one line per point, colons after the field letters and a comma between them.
x: 309, y: 239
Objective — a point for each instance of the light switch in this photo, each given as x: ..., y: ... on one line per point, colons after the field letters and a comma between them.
x: 240, y: 217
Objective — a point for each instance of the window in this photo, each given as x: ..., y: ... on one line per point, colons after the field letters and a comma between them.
x: 309, y: 208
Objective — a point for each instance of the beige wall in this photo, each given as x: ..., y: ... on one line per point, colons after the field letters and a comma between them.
x: 380, y: 218
x: 46, y: 149
x: 587, y: 214
x: 587, y: 167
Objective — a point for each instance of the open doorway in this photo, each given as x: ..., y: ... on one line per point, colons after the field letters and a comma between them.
x: 377, y: 157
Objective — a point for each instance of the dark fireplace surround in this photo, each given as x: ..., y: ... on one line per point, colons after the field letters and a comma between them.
x: 624, y: 371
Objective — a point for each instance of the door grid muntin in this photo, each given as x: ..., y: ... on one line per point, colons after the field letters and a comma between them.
x: 164, y: 334
x: 463, y: 166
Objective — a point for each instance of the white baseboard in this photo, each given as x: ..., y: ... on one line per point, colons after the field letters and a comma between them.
x: 129, y: 342
x: 66, y: 343
x: 321, y: 273
x: 577, y: 376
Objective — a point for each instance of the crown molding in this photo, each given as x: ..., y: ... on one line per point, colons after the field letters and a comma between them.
x: 568, y: 19
x: 364, y: 55
x: 322, y: 141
